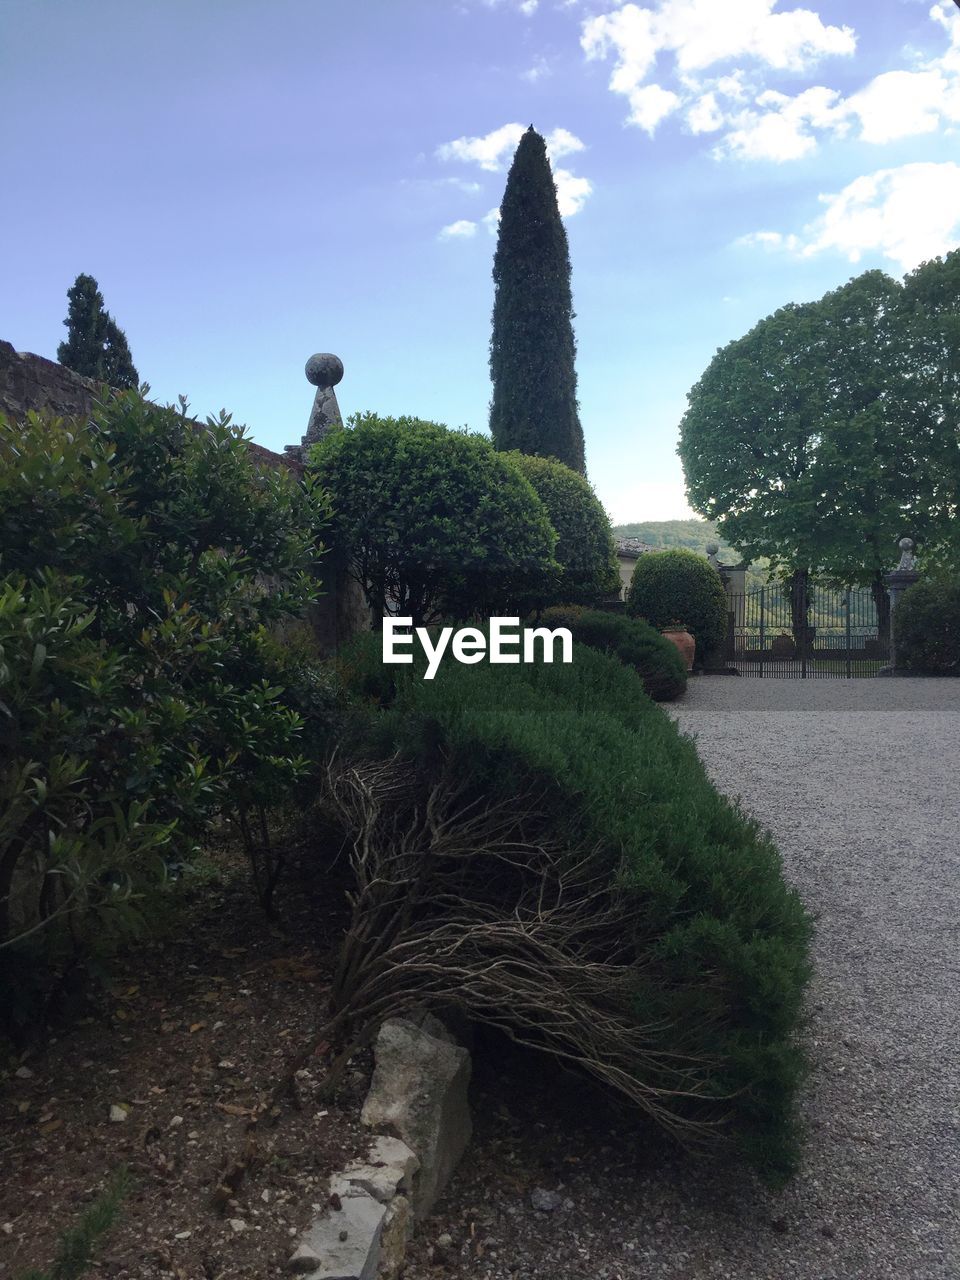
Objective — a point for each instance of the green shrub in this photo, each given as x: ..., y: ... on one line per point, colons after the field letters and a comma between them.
x: 145, y: 561
x: 926, y: 624
x: 674, y: 923
x: 585, y: 548
x: 680, y: 586
x: 655, y: 660
x: 434, y: 521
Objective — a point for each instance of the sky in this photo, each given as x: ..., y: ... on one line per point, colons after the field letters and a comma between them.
x: 252, y: 181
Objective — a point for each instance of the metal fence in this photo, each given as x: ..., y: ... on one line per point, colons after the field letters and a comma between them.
x: 810, y: 632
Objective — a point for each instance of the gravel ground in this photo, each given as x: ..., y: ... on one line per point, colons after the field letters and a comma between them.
x: 860, y: 783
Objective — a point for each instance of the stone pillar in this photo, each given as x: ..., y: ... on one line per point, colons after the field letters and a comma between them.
x: 323, y: 371
x: 898, y: 580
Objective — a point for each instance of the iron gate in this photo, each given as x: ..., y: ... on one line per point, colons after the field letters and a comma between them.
x: 807, y: 632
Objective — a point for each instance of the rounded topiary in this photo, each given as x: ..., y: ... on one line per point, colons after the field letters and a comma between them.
x: 636, y: 644
x: 677, y: 585
x: 585, y: 548
x: 926, y: 627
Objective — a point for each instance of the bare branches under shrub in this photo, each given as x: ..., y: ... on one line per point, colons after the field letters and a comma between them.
x: 458, y: 904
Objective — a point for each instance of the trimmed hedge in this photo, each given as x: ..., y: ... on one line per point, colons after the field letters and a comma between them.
x: 655, y: 660
x: 926, y: 624
x: 679, y: 586
x: 713, y: 954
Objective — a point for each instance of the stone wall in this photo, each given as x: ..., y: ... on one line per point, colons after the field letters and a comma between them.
x: 28, y: 381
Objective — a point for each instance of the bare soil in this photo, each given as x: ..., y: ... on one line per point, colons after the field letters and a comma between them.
x: 189, y: 1038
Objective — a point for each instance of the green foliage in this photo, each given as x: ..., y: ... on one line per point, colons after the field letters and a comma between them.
x: 75, y: 1252
x: 435, y: 521
x: 655, y: 660
x: 144, y: 561
x: 585, y: 549
x: 533, y: 350
x: 95, y: 347
x: 926, y: 625
x: 811, y: 439
x: 680, y: 586
x: 711, y: 955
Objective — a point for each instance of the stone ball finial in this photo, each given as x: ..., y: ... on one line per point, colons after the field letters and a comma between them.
x: 713, y: 548
x: 905, y: 544
x: 324, y: 370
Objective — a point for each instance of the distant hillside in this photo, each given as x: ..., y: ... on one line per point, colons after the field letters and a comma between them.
x: 693, y: 534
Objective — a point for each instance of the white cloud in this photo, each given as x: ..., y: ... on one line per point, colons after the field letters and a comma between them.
x: 561, y: 142
x: 783, y: 127
x: 528, y: 7
x: 539, y: 71
x: 699, y: 34
x: 651, y: 104
x: 463, y: 229
x: 488, y: 152
x: 907, y: 214
x: 705, y: 116
x: 491, y: 220
x: 572, y: 192
x: 899, y: 104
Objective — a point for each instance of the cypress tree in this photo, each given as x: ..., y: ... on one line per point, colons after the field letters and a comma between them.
x: 532, y: 351
x: 96, y: 346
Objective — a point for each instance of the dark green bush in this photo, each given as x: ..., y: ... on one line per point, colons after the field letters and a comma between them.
x: 926, y: 624
x: 708, y: 958
x: 680, y: 586
x: 144, y: 562
x: 585, y: 548
x: 656, y: 661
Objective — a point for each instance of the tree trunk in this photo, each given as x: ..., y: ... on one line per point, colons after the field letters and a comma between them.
x: 799, y: 587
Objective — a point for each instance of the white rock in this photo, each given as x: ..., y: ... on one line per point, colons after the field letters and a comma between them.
x: 118, y: 1114
x: 237, y: 1225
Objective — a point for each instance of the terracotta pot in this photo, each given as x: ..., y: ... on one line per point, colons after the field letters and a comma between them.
x: 684, y: 641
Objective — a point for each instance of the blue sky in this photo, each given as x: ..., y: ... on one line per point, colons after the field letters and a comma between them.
x: 253, y: 181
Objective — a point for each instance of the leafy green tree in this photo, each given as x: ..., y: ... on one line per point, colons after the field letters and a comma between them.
x: 931, y: 300
x: 802, y: 439
x: 533, y: 350
x: 436, y: 523
x: 585, y: 548
x: 95, y: 347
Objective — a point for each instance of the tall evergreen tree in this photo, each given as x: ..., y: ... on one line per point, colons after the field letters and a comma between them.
x: 532, y: 351
x: 96, y: 346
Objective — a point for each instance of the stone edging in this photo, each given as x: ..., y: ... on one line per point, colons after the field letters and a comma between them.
x: 419, y: 1092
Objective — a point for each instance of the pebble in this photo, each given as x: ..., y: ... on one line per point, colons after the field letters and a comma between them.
x: 545, y: 1201
x: 237, y: 1225
x: 118, y: 1114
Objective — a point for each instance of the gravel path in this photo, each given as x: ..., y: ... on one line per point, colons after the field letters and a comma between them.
x: 860, y: 783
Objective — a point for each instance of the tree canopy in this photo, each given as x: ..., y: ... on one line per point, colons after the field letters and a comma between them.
x: 96, y: 346
x: 533, y: 350
x: 829, y: 430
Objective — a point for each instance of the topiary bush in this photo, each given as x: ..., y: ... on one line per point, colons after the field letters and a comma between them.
x: 636, y: 644
x: 435, y: 522
x: 539, y: 846
x: 679, y: 586
x: 585, y: 548
x: 926, y: 625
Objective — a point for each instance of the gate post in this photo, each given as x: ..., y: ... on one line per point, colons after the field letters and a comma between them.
x: 898, y: 580
x: 763, y: 637
x: 848, y: 637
